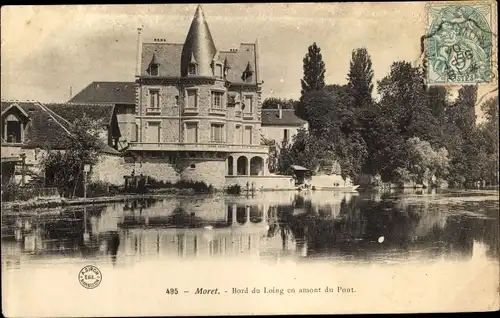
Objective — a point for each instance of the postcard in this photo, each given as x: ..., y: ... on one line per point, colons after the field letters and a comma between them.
x: 249, y: 158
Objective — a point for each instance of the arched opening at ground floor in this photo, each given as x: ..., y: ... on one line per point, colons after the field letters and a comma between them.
x: 257, y: 166
x: 242, y: 166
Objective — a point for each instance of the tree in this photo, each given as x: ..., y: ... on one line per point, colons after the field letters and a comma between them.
x: 463, y: 139
x: 404, y: 96
x: 360, y: 78
x: 305, y: 150
x: 352, y: 152
x: 424, y: 162
x: 490, y: 141
x: 316, y: 107
x: 385, y: 145
x: 64, y: 169
x: 314, y: 70
x: 465, y: 109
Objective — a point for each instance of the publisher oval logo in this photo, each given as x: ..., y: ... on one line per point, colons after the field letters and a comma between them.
x: 90, y: 277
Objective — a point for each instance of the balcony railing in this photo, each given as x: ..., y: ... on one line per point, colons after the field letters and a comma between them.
x: 172, y: 146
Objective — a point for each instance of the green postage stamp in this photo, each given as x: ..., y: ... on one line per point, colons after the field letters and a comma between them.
x: 459, y: 43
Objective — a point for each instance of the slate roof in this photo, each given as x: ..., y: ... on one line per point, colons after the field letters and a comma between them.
x: 200, y: 46
x: 270, y: 117
x: 46, y: 129
x: 72, y: 111
x: 239, y: 60
x: 168, y: 56
x: 106, y: 92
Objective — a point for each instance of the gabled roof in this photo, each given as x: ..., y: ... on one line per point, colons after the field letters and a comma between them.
x: 107, y: 92
x: 270, y: 117
x: 47, y: 129
x: 70, y: 112
x: 14, y: 105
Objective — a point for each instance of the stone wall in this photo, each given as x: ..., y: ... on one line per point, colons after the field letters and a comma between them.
x: 212, y: 172
x: 110, y: 169
x: 159, y: 168
x: 172, y: 169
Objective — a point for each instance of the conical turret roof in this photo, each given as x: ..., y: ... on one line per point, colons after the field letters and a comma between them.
x: 199, y: 43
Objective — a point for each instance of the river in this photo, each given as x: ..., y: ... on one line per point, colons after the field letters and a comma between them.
x: 276, y: 239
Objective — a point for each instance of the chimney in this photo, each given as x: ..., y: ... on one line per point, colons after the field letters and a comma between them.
x: 280, y: 112
x: 139, y: 53
x: 70, y: 92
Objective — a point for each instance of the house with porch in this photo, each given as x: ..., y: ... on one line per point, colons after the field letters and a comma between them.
x: 198, y: 111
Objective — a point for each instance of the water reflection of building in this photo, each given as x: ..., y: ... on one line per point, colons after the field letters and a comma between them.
x: 298, y: 225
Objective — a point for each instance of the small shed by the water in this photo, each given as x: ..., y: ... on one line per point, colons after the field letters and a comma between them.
x: 300, y: 173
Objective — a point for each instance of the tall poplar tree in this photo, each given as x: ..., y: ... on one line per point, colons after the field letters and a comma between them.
x: 314, y: 70
x: 360, y: 77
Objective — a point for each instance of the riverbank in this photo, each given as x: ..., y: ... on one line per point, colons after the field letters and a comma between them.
x: 61, y: 202
x: 54, y: 202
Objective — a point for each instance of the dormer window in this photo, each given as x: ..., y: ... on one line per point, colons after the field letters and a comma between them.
x: 14, y: 121
x: 13, y: 129
x: 153, y: 71
x: 218, y: 70
x: 217, y: 66
x: 247, y: 74
x: 227, y: 66
x: 192, y: 66
x: 192, y: 69
x: 153, y: 68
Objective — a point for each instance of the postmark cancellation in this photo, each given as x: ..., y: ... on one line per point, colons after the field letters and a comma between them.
x: 460, y: 43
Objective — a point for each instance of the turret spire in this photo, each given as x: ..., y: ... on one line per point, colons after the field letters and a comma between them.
x: 199, y: 43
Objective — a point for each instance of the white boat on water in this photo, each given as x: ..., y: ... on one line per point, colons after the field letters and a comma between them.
x: 329, y: 181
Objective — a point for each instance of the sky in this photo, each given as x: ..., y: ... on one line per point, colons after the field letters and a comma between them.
x: 47, y: 49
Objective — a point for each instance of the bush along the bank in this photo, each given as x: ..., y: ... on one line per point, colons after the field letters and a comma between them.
x: 101, y: 189
x: 10, y: 192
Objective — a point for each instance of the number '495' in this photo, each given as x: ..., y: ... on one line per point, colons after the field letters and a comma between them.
x: 172, y: 291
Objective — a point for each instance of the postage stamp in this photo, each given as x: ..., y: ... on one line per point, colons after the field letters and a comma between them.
x: 90, y: 277
x: 459, y: 43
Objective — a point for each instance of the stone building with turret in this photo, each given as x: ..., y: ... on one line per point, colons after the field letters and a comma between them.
x: 198, y: 110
